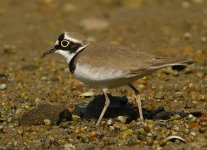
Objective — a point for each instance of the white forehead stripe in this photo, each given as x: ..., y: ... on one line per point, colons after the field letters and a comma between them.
x: 71, y: 39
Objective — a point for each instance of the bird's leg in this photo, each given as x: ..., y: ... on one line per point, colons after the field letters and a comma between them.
x: 138, y: 102
x: 107, y: 102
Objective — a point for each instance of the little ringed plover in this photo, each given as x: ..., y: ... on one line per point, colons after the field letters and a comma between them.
x: 107, y: 66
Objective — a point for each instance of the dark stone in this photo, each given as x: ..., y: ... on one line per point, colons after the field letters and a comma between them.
x: 56, y: 114
x: 119, y: 106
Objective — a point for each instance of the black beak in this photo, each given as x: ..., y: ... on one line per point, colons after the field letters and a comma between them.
x: 48, y: 52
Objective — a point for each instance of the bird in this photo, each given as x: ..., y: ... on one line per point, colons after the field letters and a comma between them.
x: 106, y: 66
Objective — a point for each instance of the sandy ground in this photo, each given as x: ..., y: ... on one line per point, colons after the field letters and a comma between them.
x: 162, y: 27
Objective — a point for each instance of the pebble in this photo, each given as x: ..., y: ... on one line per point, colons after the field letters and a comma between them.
x: 192, y: 118
x: 44, y: 78
x: 122, y: 119
x: 100, y: 134
x: 109, y: 122
x: 75, y: 117
x: 111, y: 128
x: 3, y: 86
x: 47, y: 122
x: 187, y: 35
x: 92, y: 134
x: 193, y: 133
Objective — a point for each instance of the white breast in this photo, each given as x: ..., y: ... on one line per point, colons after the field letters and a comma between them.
x: 89, y: 74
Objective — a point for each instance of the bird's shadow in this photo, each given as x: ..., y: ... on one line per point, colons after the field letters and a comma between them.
x: 119, y: 106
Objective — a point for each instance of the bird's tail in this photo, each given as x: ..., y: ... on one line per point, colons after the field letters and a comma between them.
x: 167, y: 62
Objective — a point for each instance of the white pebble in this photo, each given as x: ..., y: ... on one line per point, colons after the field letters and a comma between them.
x: 122, y: 119
x: 109, y: 122
x: 2, y: 86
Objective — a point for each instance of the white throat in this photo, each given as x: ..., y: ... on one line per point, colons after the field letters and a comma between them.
x: 69, y: 55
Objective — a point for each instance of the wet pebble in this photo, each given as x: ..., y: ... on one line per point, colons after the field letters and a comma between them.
x: 3, y: 86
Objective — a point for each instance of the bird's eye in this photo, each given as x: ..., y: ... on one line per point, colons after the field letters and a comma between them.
x: 65, y: 43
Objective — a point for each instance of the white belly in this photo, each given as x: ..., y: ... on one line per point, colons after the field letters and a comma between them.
x: 98, y: 77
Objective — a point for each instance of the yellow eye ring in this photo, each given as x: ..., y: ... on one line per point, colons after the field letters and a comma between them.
x: 65, y: 43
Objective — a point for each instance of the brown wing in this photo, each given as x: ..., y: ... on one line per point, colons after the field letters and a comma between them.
x: 120, y: 58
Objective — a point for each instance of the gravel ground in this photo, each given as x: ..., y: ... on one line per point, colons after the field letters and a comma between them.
x: 160, y: 27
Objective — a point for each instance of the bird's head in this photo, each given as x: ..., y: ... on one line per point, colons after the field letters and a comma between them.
x: 68, y: 44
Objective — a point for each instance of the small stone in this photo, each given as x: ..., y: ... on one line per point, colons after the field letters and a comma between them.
x: 44, y: 78
x: 190, y: 116
x: 187, y: 35
x: 116, y: 125
x: 122, y: 119
x: 47, y: 122
x: 109, y: 122
x: 92, y: 134
x: 56, y: 114
x: 193, y: 133
x: 75, y: 117
x: 111, y: 128
x: 100, y: 134
x: 3, y: 86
